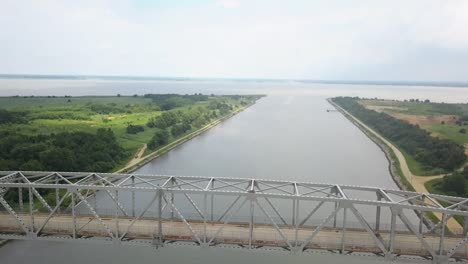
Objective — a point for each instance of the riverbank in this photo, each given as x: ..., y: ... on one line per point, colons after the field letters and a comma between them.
x: 398, y: 168
x: 141, y: 160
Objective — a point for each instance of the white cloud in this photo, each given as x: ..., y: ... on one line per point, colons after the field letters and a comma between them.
x: 271, y: 39
x: 229, y: 3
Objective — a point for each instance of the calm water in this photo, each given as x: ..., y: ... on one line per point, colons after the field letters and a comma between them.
x: 286, y: 136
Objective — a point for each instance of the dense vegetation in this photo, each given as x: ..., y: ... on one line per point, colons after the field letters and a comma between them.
x: 99, y: 133
x: 7, y: 117
x: 455, y: 184
x: 135, y: 129
x: 76, y: 151
x: 431, y: 152
x: 171, y: 101
x: 160, y: 138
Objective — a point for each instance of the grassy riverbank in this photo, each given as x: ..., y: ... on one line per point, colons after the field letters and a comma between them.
x: 138, y: 162
x: 131, y: 122
x: 441, y: 120
x: 399, y: 167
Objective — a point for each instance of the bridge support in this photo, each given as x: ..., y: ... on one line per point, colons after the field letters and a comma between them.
x: 343, y: 231
x: 160, y: 238
x: 133, y: 196
x: 251, y: 222
x: 377, y: 213
x: 73, y: 205
x: 31, y: 211
x: 20, y: 199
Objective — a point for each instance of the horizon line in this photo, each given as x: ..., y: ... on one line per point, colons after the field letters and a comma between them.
x: 186, y: 78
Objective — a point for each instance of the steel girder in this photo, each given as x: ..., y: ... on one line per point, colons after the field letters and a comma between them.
x: 254, y: 198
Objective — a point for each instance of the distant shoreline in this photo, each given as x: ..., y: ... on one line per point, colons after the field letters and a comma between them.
x: 460, y: 84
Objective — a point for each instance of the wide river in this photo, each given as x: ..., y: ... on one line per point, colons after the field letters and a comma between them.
x: 287, y: 135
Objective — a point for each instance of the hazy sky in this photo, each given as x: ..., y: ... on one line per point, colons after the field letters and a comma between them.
x: 372, y: 40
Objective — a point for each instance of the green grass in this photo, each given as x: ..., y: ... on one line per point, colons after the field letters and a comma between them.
x: 449, y: 131
x: 417, y: 169
x: 419, y: 108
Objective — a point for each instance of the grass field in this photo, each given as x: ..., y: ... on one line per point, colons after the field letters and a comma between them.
x: 418, y: 108
x: 428, y: 116
x: 451, y: 132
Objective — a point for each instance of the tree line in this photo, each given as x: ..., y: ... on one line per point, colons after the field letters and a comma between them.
x: 430, y: 152
x: 74, y: 151
x: 455, y: 184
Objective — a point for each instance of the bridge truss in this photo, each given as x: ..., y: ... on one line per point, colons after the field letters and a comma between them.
x: 248, y: 213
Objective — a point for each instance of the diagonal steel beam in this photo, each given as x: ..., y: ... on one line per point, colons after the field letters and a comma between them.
x: 410, y: 227
x: 95, y: 214
x: 228, y: 219
x: 52, y: 213
x: 311, y: 213
x: 318, y: 228
x: 139, y: 216
x: 194, y: 235
x: 274, y: 224
x: 369, y: 230
x: 13, y: 213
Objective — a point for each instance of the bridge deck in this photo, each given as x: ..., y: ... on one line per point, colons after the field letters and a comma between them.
x: 238, y: 234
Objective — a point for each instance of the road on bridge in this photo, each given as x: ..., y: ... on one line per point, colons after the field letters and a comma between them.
x: 238, y: 234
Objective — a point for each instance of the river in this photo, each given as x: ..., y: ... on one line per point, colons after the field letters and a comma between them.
x: 287, y: 135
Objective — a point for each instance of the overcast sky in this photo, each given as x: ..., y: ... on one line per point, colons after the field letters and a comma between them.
x: 362, y: 40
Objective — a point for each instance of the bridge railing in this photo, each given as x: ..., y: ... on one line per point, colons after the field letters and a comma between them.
x: 296, y: 216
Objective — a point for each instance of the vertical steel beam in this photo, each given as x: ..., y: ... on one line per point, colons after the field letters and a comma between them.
x: 133, y: 196
x: 297, y: 224
x: 172, y: 198
x: 212, y: 201
x: 31, y: 210
x: 20, y: 199
x: 442, y: 234
x: 116, y: 217
x: 377, y: 213
x: 421, y: 217
x: 57, y: 194
x: 73, y: 214
x: 343, y: 231
x: 293, y: 222
x: 392, y: 233
x: 336, y: 208
x: 205, y: 212
x: 160, y: 232
x: 251, y: 222
x: 95, y: 203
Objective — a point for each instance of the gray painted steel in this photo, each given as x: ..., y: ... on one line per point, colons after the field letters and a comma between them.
x: 254, y: 195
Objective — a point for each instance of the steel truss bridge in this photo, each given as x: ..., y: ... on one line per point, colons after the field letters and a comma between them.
x: 161, y: 210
